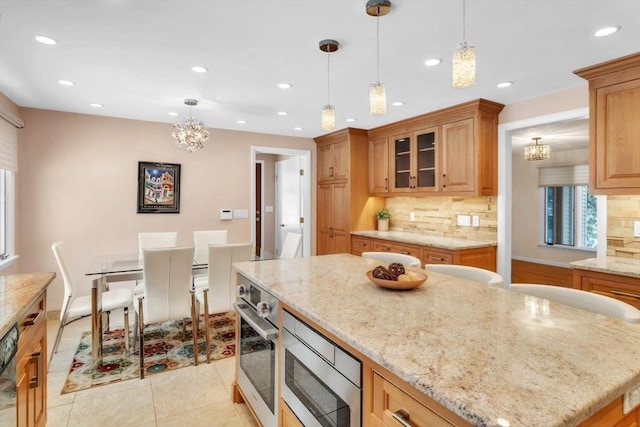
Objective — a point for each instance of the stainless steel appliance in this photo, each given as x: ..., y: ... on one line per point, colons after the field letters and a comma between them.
x: 8, y: 349
x: 321, y: 383
x: 257, y: 355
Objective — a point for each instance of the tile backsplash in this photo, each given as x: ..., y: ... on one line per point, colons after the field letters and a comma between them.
x: 437, y: 216
x: 622, y: 211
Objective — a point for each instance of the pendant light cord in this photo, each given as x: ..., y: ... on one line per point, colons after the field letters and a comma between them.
x: 464, y: 37
x: 328, y: 78
x: 378, y: 47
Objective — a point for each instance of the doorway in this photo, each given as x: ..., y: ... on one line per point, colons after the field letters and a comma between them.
x: 269, y: 228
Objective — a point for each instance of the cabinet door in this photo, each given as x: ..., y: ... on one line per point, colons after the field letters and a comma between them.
x: 340, y: 204
x: 379, y: 166
x: 617, y: 150
x: 340, y: 160
x: 287, y: 417
x: 325, y: 163
x: 458, y: 166
x: 324, y: 219
x: 425, y: 157
x: 401, y: 173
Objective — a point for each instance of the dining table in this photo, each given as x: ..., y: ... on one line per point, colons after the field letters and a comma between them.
x: 124, y: 267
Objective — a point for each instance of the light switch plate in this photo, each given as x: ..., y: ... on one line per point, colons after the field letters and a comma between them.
x: 464, y: 220
x: 412, y: 216
x: 636, y: 228
x: 241, y: 213
x: 475, y: 221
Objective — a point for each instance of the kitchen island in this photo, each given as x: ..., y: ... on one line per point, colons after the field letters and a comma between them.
x: 489, y: 356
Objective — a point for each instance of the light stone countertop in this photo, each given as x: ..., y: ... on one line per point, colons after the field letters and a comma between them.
x: 476, y: 350
x: 450, y: 243
x: 17, y: 293
x: 611, y: 264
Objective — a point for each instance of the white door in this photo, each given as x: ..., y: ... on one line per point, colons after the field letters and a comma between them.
x: 288, y: 199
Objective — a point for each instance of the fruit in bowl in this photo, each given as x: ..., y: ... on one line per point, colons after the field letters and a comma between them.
x: 395, y: 276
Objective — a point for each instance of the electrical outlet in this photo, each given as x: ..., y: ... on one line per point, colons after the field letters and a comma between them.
x: 464, y: 220
x: 476, y: 221
x: 636, y: 228
x: 412, y: 216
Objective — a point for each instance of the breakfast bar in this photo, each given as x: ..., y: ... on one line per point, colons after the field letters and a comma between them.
x: 490, y: 357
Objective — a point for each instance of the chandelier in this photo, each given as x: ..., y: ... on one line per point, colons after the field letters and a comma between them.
x: 537, y: 151
x: 464, y: 61
x: 328, y: 112
x: 377, y: 94
x: 191, y: 134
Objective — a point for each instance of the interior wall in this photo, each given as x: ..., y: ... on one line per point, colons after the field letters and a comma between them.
x: 525, y: 202
x: 78, y: 183
x: 268, y: 199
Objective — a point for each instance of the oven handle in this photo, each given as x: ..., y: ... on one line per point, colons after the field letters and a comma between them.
x: 265, y: 329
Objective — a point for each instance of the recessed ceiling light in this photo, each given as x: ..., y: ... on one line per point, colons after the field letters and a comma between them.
x: 351, y: 120
x: 282, y: 113
x: 398, y: 104
x: 66, y: 82
x: 297, y: 128
x: 200, y: 69
x: 96, y: 105
x: 173, y: 113
x: 504, y: 84
x: 242, y: 122
x: 607, y: 31
x: 45, y: 40
x: 284, y: 85
x: 432, y: 61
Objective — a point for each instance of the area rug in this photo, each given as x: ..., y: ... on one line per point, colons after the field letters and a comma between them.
x: 164, y: 350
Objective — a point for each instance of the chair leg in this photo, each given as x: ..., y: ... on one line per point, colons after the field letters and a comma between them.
x: 194, y: 327
x: 205, y: 293
x: 141, y: 336
x: 126, y: 331
x: 135, y: 331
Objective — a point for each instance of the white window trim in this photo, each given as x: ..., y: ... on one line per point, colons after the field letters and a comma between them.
x: 11, y: 224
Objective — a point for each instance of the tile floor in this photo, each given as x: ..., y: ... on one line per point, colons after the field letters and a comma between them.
x: 192, y: 396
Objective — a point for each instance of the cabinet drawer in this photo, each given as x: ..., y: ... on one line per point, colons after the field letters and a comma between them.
x: 391, y: 403
x: 383, y: 246
x: 434, y: 256
x: 626, y: 292
x: 359, y: 245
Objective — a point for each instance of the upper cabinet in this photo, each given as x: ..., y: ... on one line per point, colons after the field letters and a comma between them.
x: 614, y: 125
x: 448, y: 152
x: 333, y: 161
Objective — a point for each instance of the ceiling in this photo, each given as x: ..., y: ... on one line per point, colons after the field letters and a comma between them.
x: 135, y: 57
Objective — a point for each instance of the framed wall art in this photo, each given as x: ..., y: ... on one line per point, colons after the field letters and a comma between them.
x: 158, y: 187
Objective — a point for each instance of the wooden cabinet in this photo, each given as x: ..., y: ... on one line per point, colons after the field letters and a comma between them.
x: 474, y: 257
x: 379, y: 167
x: 343, y: 202
x: 614, y: 125
x: 453, y: 151
x: 612, y: 416
x: 31, y: 366
x: 287, y: 417
x: 624, y: 288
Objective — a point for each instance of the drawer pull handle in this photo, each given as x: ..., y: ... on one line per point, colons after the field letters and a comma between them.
x: 386, y: 185
x: 362, y: 244
x: 36, y: 358
x: 405, y: 253
x: 402, y: 417
x: 385, y: 248
x: 32, y: 319
x: 433, y: 258
x: 625, y: 294
x: 331, y: 171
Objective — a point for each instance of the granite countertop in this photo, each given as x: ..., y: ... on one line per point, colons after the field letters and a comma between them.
x: 17, y: 293
x: 611, y: 264
x: 450, y: 243
x: 476, y: 350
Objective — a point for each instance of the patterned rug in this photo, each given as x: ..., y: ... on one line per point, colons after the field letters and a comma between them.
x: 164, y: 350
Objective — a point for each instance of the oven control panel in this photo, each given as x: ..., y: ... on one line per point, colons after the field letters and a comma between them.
x: 262, y: 302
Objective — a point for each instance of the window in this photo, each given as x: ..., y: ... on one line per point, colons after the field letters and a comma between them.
x: 6, y: 213
x: 569, y: 212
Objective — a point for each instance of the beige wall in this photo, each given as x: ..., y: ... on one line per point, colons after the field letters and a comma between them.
x: 525, y: 204
x: 557, y: 102
x: 622, y: 211
x: 78, y: 183
x: 437, y: 216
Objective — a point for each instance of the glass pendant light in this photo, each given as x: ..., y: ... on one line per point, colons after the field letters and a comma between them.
x: 328, y: 112
x: 377, y: 94
x: 537, y: 151
x: 464, y: 60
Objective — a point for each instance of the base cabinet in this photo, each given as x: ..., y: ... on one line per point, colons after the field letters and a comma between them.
x: 624, y: 288
x: 287, y: 417
x: 31, y: 367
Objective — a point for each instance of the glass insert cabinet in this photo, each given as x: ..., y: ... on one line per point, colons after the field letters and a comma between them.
x: 414, y: 163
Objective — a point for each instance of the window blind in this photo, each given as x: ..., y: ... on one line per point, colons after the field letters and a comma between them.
x: 8, y: 146
x: 561, y: 176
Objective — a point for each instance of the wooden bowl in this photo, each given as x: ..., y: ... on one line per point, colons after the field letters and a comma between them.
x: 397, y: 284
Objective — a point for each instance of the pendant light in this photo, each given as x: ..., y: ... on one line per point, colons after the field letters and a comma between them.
x: 328, y: 112
x: 537, y: 151
x: 464, y: 60
x: 377, y: 95
x: 191, y: 134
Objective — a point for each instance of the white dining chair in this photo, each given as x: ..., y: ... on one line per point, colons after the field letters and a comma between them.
x: 585, y: 300
x: 203, y: 238
x: 408, y: 261
x: 218, y: 293
x: 76, y: 307
x: 162, y: 239
x: 488, y: 277
x: 291, y: 245
x: 168, y: 293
